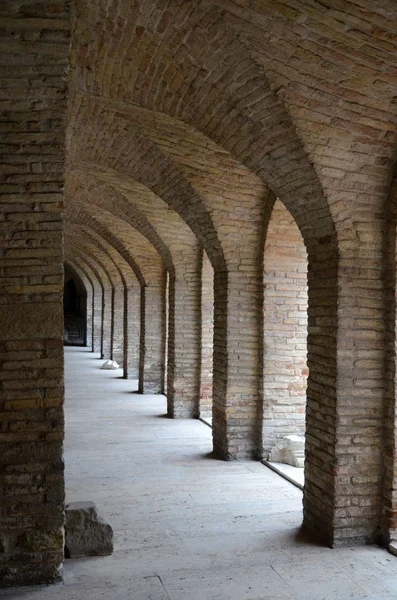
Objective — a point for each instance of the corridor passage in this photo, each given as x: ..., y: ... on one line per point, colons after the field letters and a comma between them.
x: 186, y: 526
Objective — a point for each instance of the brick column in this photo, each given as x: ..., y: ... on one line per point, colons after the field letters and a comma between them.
x: 152, y: 342
x: 33, y: 78
x: 97, y: 309
x: 322, y: 396
x: 132, y: 330
x: 183, y: 373
x: 389, y: 492
x: 237, y: 347
x: 90, y: 314
x: 106, y: 325
x: 117, y: 341
x: 345, y: 400
x: 88, y: 311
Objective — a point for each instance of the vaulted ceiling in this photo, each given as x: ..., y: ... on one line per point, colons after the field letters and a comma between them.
x: 183, y: 114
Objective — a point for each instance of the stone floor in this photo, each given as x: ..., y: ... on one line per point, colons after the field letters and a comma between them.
x: 188, y: 527
x: 294, y: 474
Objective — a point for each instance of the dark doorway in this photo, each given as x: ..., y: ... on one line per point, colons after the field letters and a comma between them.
x: 74, y: 310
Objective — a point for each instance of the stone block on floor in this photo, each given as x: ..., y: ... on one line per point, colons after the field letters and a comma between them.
x: 110, y: 365
x: 289, y: 450
x: 86, y: 532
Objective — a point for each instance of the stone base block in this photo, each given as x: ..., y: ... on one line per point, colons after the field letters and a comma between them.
x: 86, y: 532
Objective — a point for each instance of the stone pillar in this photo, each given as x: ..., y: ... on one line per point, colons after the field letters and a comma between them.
x: 90, y: 315
x: 237, y: 359
x: 33, y: 78
x: 207, y: 337
x: 152, y: 342
x: 97, y: 309
x: 106, y: 326
x: 389, y: 500
x: 322, y: 398
x: 117, y: 324
x: 132, y: 327
x: 183, y: 380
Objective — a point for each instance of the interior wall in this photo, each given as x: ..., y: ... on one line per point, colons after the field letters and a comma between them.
x: 285, y: 329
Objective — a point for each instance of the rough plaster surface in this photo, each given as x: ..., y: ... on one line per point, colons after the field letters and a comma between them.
x: 187, y: 526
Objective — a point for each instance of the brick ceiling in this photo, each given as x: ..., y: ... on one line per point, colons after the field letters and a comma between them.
x: 182, y: 114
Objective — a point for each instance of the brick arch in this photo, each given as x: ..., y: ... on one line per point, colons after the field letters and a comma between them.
x: 322, y: 254
x: 84, y: 290
x: 79, y: 278
x: 80, y: 221
x: 76, y: 213
x: 128, y: 151
x: 295, y: 51
x: 130, y: 244
x: 219, y: 89
x: 125, y: 302
x: 183, y: 367
x: 152, y: 299
x: 86, y: 188
x: 108, y: 277
x: 96, y: 327
x: 181, y: 256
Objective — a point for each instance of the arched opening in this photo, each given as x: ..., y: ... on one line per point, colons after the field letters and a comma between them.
x: 74, y: 310
x: 207, y: 339
x: 285, y: 344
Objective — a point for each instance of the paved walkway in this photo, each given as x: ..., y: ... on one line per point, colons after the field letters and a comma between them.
x: 188, y: 527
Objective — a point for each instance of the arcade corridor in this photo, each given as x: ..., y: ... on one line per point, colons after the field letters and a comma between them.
x: 204, y: 193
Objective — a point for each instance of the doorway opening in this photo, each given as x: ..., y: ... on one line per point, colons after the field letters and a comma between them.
x: 285, y: 346
x: 74, y: 310
x: 207, y: 340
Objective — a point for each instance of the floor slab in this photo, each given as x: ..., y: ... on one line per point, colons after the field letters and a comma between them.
x: 187, y: 526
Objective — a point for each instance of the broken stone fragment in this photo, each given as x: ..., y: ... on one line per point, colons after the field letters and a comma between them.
x: 290, y: 450
x: 86, y: 532
x: 110, y: 364
x: 393, y: 547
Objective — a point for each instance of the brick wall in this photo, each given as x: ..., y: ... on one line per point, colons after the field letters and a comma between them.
x: 152, y: 339
x: 389, y: 509
x: 285, y: 329
x: 183, y: 373
x: 132, y: 323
